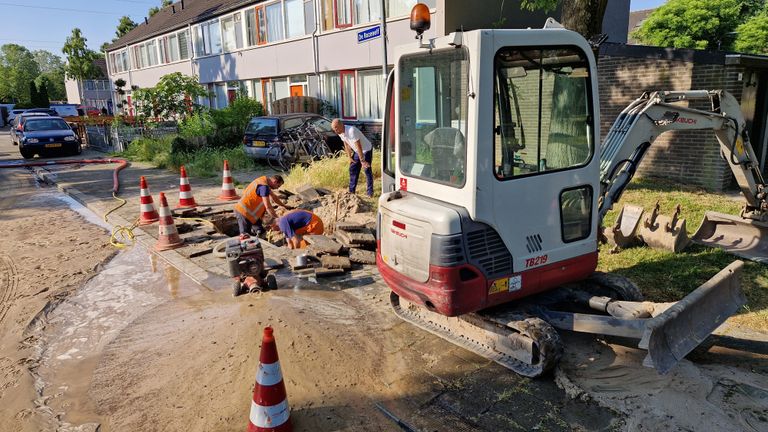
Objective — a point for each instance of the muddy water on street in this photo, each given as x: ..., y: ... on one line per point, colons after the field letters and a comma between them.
x: 74, y: 332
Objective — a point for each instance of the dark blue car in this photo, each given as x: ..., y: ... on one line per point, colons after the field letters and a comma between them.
x: 46, y: 135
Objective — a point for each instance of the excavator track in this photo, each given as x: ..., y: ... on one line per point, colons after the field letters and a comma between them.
x: 524, y: 344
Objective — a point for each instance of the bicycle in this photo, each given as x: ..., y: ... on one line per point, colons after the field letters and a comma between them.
x: 302, y: 144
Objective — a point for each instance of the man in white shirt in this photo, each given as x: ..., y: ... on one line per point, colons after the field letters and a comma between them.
x: 360, y: 152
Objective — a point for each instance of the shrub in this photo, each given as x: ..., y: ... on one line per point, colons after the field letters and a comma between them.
x: 331, y: 173
x: 197, y: 125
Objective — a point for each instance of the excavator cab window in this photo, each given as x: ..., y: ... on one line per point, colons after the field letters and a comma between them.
x: 542, y: 118
x: 433, y: 115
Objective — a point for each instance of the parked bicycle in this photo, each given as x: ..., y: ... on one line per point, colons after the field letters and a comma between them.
x: 302, y: 144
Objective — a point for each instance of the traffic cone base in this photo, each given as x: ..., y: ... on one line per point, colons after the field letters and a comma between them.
x: 186, y: 200
x: 269, y: 407
x: 148, y: 213
x: 168, y: 236
x: 228, y: 192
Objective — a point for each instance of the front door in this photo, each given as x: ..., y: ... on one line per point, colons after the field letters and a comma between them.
x: 297, y: 90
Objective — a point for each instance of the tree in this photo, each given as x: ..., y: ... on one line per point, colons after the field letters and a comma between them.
x: 699, y: 24
x: 42, y: 92
x: 155, y: 9
x: 34, y: 96
x: 582, y: 16
x: 752, y: 36
x: 51, y: 74
x: 171, y: 98
x: 125, y: 25
x: 80, y: 59
x: 17, y: 69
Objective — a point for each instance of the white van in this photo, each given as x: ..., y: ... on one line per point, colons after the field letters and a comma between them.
x: 65, y: 110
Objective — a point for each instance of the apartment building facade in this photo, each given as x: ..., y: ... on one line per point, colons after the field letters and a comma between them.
x: 272, y: 49
x: 96, y: 92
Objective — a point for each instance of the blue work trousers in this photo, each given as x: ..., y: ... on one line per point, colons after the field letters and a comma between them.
x: 354, y: 172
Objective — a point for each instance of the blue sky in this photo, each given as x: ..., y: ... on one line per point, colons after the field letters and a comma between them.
x: 45, y: 24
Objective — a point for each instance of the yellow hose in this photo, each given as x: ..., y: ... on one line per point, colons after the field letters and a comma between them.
x: 126, y: 233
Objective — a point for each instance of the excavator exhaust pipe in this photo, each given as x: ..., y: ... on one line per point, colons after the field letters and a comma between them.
x: 742, y: 237
x: 674, y: 333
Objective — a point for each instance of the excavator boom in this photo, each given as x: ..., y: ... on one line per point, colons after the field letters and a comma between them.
x: 642, y: 121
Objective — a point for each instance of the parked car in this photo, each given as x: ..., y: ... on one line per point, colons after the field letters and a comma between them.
x: 48, y: 111
x: 90, y: 111
x: 261, y: 131
x: 65, y: 110
x: 44, y: 135
x: 12, y: 115
x: 18, y: 124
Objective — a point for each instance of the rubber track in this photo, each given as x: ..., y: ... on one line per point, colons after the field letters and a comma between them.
x: 9, y: 282
x: 477, y: 347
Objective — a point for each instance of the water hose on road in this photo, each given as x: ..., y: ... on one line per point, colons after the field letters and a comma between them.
x: 126, y: 233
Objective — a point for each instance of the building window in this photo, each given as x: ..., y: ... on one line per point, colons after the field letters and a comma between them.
x: 232, y: 32
x: 348, y: 94
x: 396, y: 8
x: 162, y: 45
x: 183, y: 45
x: 343, y: 13
x: 173, y: 48
x: 208, y: 38
x: 309, y: 16
x: 119, y: 61
x: 370, y: 95
x: 294, y: 18
x: 281, y: 88
x: 250, y: 27
x: 257, y: 91
x: 151, y: 53
x: 327, y: 14
x: 331, y: 91
x: 221, y: 95
x: 274, y: 15
x: 367, y: 11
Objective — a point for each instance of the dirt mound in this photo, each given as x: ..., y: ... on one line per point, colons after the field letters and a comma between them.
x: 340, y: 206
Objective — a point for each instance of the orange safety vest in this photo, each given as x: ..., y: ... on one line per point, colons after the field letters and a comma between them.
x: 252, y: 205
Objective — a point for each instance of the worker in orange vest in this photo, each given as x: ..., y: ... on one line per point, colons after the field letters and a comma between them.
x: 256, y: 202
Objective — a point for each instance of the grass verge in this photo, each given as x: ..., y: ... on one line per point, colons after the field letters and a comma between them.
x: 665, y: 276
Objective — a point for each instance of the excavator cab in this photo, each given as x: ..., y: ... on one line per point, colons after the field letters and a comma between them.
x: 496, y: 161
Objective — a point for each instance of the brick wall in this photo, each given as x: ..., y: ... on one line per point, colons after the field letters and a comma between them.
x: 692, y: 157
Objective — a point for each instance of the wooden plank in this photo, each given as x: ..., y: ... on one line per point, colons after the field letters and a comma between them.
x: 324, y: 243
x: 361, y: 256
x: 323, y: 272
x: 333, y: 262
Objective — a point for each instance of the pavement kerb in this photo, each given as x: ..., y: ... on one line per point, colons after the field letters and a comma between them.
x: 172, y: 257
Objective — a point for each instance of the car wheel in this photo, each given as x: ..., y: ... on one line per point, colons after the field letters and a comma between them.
x: 26, y: 154
x: 77, y: 150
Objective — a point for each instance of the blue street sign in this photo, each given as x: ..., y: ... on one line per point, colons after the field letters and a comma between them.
x: 369, y: 34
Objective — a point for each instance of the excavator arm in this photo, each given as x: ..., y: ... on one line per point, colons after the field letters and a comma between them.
x: 641, y: 122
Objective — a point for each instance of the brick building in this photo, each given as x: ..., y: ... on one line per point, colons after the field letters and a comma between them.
x: 692, y: 157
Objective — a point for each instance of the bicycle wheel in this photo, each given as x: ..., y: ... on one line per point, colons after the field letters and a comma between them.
x: 321, y: 149
x: 276, y: 157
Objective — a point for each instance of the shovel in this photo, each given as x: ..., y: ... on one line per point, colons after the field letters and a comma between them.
x: 742, y: 237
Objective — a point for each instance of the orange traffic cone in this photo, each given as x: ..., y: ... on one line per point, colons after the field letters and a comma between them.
x: 269, y: 409
x: 148, y: 212
x: 228, y: 192
x: 186, y: 200
x: 168, y: 237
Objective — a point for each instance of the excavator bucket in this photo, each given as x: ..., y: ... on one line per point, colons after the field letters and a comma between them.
x: 742, y: 237
x: 663, y: 232
x: 624, y: 231
x: 676, y: 331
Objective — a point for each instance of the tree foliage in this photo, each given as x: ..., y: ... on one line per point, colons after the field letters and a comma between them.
x: 582, y: 16
x: 699, y: 24
x: 752, y: 36
x: 171, y: 98
x: 44, y: 101
x: 79, y: 58
x: 51, y: 74
x: 34, y: 96
x: 17, y: 69
x: 125, y: 25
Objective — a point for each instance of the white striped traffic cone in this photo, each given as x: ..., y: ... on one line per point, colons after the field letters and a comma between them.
x: 186, y: 200
x: 148, y: 212
x: 168, y: 237
x: 228, y: 192
x: 269, y: 408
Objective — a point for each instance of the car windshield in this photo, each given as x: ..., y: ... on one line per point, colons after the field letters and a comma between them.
x: 36, y: 125
x: 262, y: 126
x: 26, y: 116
